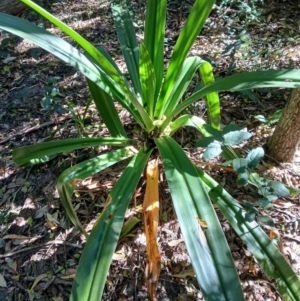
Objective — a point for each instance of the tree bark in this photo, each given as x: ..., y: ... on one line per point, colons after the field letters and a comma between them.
x: 13, y: 7
x: 286, y: 137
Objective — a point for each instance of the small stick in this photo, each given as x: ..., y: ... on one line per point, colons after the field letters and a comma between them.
x: 57, y: 242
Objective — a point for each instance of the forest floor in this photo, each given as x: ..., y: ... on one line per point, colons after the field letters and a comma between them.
x: 39, y: 248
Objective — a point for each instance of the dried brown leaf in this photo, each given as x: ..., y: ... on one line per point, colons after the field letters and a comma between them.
x: 151, y: 218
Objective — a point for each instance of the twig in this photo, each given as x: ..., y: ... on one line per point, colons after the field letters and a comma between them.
x: 56, y: 280
x: 48, y: 123
x: 57, y: 242
x: 35, y: 128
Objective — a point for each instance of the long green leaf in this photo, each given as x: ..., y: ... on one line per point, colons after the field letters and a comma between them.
x: 268, y: 256
x: 70, y: 55
x: 109, y: 58
x: 25, y: 154
x: 106, y: 66
x: 68, y: 180
x: 104, y: 52
x: 109, y: 113
x: 212, y: 99
x: 128, y: 42
x: 87, y: 46
x: 189, y: 67
x: 147, y: 78
x: 210, y: 255
x: 242, y: 81
x: 188, y: 120
x: 154, y: 38
x: 191, y: 29
x: 97, y: 255
x: 107, y: 70
x: 107, y: 110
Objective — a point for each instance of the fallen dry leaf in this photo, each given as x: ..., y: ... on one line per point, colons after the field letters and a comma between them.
x: 38, y: 279
x: 15, y: 236
x: 2, y: 281
x: 69, y: 274
x: 274, y: 234
x: 189, y: 272
x: 175, y: 242
x: 203, y: 225
x: 151, y: 217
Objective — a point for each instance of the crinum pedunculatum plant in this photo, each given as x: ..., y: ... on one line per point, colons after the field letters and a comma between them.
x: 156, y: 100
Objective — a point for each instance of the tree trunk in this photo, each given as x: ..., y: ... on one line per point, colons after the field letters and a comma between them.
x: 13, y: 7
x: 286, y: 137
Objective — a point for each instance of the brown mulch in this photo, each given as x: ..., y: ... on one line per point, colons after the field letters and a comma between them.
x: 39, y: 248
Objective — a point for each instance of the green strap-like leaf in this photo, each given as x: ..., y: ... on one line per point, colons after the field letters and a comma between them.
x: 107, y: 70
x: 242, y: 81
x: 87, y: 46
x: 105, y: 83
x: 212, y: 99
x: 73, y: 57
x: 128, y: 226
x: 104, y: 52
x: 107, y: 110
x: 191, y: 29
x: 106, y: 66
x: 109, y: 58
x: 187, y: 120
x: 205, y: 241
x: 189, y: 67
x: 268, y: 256
x: 128, y: 42
x: 24, y: 154
x: 147, y: 77
x: 230, y: 153
x: 97, y: 255
x: 68, y: 180
x: 154, y: 38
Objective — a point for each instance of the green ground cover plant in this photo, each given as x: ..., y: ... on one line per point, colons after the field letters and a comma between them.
x: 155, y: 99
x: 51, y: 102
